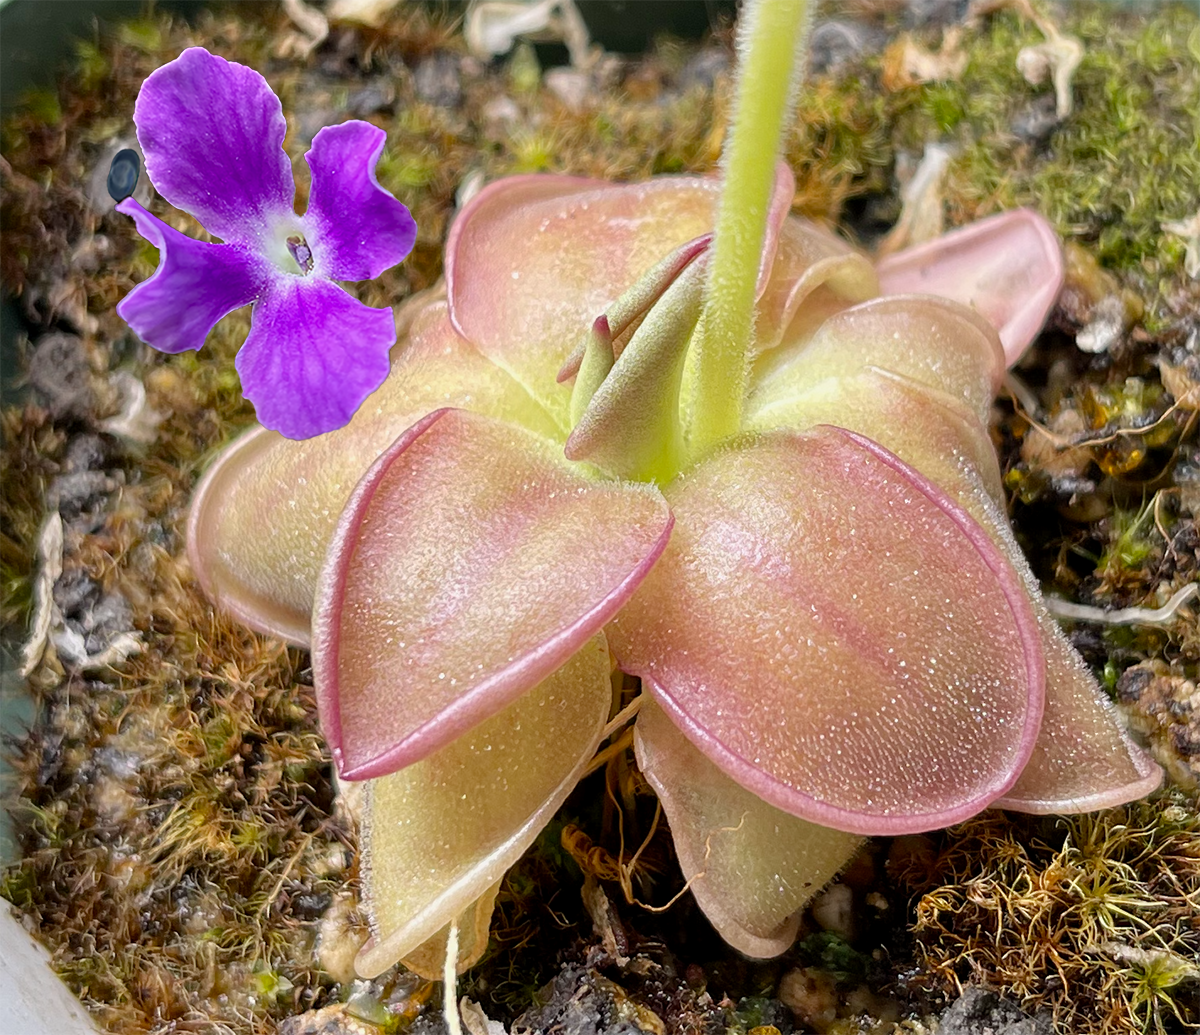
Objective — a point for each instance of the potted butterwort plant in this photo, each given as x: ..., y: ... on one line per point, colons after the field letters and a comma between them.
x: 657, y: 464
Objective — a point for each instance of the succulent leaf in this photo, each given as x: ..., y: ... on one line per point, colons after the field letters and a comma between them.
x: 470, y: 563
x: 804, y: 628
x: 440, y: 833
x: 751, y: 867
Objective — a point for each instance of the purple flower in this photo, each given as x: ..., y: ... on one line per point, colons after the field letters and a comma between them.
x: 212, y: 135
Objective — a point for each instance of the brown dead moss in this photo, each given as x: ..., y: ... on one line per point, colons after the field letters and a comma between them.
x: 1092, y: 916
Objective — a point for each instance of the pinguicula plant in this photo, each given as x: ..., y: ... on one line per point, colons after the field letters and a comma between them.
x: 671, y: 427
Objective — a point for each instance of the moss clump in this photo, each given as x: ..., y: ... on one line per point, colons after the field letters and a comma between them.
x: 1091, y: 916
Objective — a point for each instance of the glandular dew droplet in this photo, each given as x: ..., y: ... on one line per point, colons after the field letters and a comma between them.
x: 123, y: 174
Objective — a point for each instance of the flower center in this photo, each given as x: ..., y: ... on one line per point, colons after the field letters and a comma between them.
x: 300, y: 251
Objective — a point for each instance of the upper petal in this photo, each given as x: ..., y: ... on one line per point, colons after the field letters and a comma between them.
x: 196, y: 284
x: 212, y: 134
x: 264, y: 513
x: 440, y: 832
x: 1009, y: 267
x: 471, y: 561
x: 313, y: 355
x: 838, y: 636
x: 360, y: 230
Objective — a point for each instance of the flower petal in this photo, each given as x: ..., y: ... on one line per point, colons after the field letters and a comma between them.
x: 838, y: 636
x: 313, y: 355
x: 1009, y: 267
x: 471, y: 561
x: 439, y: 833
x: 212, y: 134
x: 264, y: 513
x: 1082, y: 759
x: 751, y: 868
x: 360, y: 230
x: 196, y: 284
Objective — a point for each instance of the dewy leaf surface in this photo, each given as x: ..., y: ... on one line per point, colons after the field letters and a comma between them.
x: 751, y: 867
x: 1008, y: 267
x: 264, y: 513
x: 525, y: 296
x: 838, y: 636
x: 937, y: 342
x: 441, y: 832
x: 806, y: 258
x: 472, y: 560
x: 1082, y: 759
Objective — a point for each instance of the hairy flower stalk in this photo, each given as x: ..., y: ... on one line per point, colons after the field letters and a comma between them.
x: 772, y: 46
x: 789, y: 525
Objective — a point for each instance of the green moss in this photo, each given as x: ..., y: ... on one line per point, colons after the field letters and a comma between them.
x: 144, y: 34
x: 1128, y: 157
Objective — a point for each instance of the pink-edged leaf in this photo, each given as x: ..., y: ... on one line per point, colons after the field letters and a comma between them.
x: 439, y: 834
x: 751, y: 867
x: 933, y: 341
x: 533, y: 260
x: 838, y: 636
x: 428, y: 960
x: 1009, y: 267
x: 617, y: 321
x: 471, y: 561
x: 1083, y: 760
x: 264, y: 513
x: 935, y: 433
x: 811, y: 269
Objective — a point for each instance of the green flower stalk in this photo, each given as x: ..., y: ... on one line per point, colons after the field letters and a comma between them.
x: 772, y: 44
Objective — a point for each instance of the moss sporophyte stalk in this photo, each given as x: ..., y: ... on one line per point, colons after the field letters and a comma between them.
x: 666, y: 423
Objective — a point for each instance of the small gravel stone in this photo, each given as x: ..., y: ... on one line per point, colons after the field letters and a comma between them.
x: 1037, y: 120
x: 835, y: 44
x: 73, y: 494
x: 59, y: 370
x: 979, y: 1012
x: 86, y: 453
x: 935, y: 12
x: 834, y: 911
x: 436, y: 80
x: 377, y: 95
x: 569, y: 86
x: 703, y: 68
